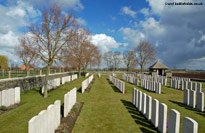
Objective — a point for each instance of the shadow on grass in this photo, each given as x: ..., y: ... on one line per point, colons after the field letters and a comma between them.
x: 62, y: 110
x: 79, y: 90
x: 146, y: 126
x: 115, y: 89
x: 189, y: 108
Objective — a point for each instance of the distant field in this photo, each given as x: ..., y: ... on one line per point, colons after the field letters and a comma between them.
x: 190, y: 75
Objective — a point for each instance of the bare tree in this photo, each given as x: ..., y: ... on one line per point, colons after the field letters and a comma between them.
x: 51, y: 36
x: 79, y: 50
x: 98, y: 58
x: 108, y: 58
x: 23, y: 51
x: 116, y: 59
x: 146, y: 54
x: 91, y: 54
x: 130, y: 59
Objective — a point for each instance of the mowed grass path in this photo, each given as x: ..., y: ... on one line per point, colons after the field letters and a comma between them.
x: 16, y: 121
x: 173, y: 98
x: 107, y: 110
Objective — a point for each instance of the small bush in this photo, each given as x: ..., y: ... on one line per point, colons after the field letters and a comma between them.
x: 3, y: 108
x: 75, y: 109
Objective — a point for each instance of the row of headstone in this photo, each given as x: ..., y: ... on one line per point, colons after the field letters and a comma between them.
x: 74, y: 77
x: 151, y: 86
x: 194, y: 99
x: 10, y: 97
x: 182, y: 85
x: 157, y: 113
x: 160, y: 79
x: 52, y: 84
x: 175, y: 84
x: 87, y: 74
x: 130, y: 78
x: 69, y: 101
x: 47, y: 121
x: 66, y: 79
x: 181, y: 79
x: 99, y: 75
x: 86, y: 83
x: 144, y: 76
x: 118, y: 83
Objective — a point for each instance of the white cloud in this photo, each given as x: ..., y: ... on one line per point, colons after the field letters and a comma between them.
x: 105, y: 43
x: 81, y: 21
x: 8, y: 40
x: 66, y: 4
x: 157, y: 5
x: 127, y: 11
x: 145, y: 11
x: 113, y: 18
x: 152, y: 27
x: 134, y: 37
x: 76, y: 4
x: 14, y: 16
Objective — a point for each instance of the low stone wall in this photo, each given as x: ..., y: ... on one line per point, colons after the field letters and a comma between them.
x: 28, y: 83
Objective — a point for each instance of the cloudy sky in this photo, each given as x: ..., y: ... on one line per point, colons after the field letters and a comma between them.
x: 176, y: 31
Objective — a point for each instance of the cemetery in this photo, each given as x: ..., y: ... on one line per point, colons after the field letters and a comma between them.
x: 151, y: 112
x: 63, y: 70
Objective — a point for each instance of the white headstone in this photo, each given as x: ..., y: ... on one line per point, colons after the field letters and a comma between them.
x: 57, y: 105
x: 192, y: 99
x: 43, y: 123
x: 65, y: 105
x: 136, y: 98
x: 17, y: 94
x: 186, y: 96
x: 139, y: 101
x: 144, y: 96
x: 51, y: 118
x: 200, y: 101
x: 11, y: 96
x: 162, y: 118
x: 133, y: 96
x: 190, y: 125
x: 199, y: 87
x: 148, y: 107
x: 174, y: 121
x: 5, y: 98
x: 32, y: 125
x: 155, y: 112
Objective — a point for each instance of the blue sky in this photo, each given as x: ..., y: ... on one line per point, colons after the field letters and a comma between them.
x: 176, y: 32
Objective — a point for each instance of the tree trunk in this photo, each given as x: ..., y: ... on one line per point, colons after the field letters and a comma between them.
x: 27, y: 72
x: 141, y: 66
x: 46, y: 82
x: 79, y: 72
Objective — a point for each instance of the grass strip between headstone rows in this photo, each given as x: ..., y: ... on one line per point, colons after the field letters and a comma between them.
x: 107, y: 110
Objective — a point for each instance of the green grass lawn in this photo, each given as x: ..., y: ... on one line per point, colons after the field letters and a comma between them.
x: 105, y: 108
x: 173, y: 98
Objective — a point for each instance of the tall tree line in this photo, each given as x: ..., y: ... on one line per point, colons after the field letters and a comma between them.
x: 142, y: 55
